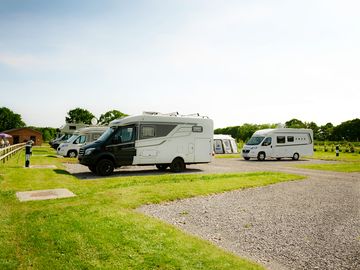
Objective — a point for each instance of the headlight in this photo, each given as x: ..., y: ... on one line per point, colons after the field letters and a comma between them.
x: 252, y: 148
x: 89, y: 151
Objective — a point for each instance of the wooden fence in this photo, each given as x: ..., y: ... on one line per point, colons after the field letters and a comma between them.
x: 7, y: 152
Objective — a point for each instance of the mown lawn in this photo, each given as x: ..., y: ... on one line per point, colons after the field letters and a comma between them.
x: 99, y: 228
x: 349, y: 162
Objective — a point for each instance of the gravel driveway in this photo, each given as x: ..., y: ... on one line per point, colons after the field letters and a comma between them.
x: 308, y: 224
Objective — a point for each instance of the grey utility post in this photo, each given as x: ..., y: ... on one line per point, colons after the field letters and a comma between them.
x: 28, y: 152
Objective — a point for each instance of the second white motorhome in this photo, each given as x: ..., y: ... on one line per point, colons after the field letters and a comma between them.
x: 279, y: 143
x: 70, y: 148
x: 169, y: 140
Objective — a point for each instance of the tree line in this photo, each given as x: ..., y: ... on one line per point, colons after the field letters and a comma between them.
x: 348, y: 130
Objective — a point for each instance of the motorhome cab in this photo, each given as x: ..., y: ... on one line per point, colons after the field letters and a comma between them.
x: 279, y: 143
x: 65, y: 132
x: 152, y: 138
x: 70, y: 148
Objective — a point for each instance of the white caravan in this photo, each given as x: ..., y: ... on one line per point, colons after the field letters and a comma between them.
x: 70, y: 148
x: 164, y: 140
x: 279, y: 143
x: 65, y: 132
x: 224, y: 144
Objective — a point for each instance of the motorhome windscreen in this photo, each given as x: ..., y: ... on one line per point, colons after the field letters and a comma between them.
x: 255, y: 140
x: 107, y: 134
x: 73, y: 137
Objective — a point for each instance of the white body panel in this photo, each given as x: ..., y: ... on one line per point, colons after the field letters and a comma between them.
x: 79, y: 138
x: 279, y: 143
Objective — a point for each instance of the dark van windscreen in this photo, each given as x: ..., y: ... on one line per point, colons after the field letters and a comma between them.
x: 106, y: 134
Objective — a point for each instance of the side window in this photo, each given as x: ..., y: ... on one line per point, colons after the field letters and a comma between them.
x: 80, y: 139
x: 290, y: 138
x: 280, y: 139
x: 147, y: 132
x: 267, y: 141
x: 124, y: 135
x: 198, y: 129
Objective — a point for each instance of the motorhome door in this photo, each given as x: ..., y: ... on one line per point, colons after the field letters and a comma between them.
x: 122, y: 145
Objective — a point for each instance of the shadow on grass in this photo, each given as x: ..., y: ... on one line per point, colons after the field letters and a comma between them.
x: 126, y: 173
x: 63, y: 172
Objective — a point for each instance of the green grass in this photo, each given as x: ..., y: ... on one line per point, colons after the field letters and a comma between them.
x: 99, y: 228
x: 338, y: 167
x: 347, y: 157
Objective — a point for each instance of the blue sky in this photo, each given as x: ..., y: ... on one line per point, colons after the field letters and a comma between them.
x: 235, y: 61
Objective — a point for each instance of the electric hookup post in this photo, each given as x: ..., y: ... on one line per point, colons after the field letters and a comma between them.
x: 28, y: 152
x: 337, y: 150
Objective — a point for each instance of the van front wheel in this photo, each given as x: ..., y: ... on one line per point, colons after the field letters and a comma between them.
x: 296, y: 156
x: 104, y: 167
x: 177, y: 165
x: 261, y: 156
x: 72, y: 154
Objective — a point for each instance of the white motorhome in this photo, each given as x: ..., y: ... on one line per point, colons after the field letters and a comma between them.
x: 224, y: 144
x: 70, y: 148
x: 65, y: 132
x: 164, y: 140
x: 279, y: 143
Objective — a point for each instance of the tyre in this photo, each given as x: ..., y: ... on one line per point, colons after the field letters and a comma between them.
x: 261, y: 156
x: 92, y: 168
x: 72, y: 153
x: 162, y: 167
x: 296, y: 156
x: 104, y: 167
x: 246, y: 158
x: 177, y: 165
x: 278, y: 158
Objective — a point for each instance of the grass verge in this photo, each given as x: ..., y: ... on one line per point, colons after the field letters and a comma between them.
x: 338, y: 167
x: 99, y: 229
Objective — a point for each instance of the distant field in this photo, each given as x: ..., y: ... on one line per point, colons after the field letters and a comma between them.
x: 99, y: 228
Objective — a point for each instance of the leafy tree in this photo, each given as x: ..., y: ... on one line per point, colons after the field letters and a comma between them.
x: 9, y: 119
x: 109, y: 116
x: 79, y: 115
x: 325, y: 132
x: 349, y: 130
x: 315, y: 129
x: 294, y: 123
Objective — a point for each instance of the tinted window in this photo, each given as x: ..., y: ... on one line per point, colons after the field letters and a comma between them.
x: 197, y: 129
x: 124, y: 135
x: 80, y: 139
x: 290, y: 138
x: 255, y: 140
x: 155, y: 130
x: 280, y: 139
x: 147, y: 132
x: 267, y: 141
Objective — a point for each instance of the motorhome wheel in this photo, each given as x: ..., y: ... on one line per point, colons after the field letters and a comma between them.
x: 261, y: 156
x: 72, y: 153
x: 177, y: 165
x: 296, y: 156
x: 104, y: 167
x: 246, y: 158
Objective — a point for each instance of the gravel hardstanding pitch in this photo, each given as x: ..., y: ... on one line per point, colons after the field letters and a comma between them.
x: 308, y: 224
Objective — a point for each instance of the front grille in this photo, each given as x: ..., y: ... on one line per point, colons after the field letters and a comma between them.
x: 246, y: 151
x: 81, y: 152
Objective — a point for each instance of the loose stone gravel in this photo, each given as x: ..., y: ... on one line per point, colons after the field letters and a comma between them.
x: 307, y: 224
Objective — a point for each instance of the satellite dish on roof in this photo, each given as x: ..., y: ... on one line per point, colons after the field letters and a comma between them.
x: 94, y: 121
